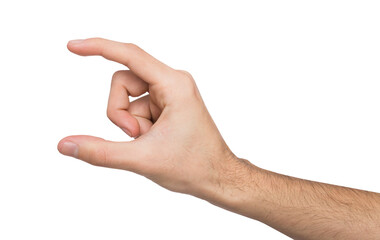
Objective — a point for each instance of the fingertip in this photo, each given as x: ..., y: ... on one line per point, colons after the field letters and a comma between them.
x: 87, y: 47
x: 81, y: 47
x: 74, y: 44
x: 125, y: 121
x: 133, y: 128
x: 60, y: 143
x: 134, y: 132
x: 68, y: 148
x: 126, y: 131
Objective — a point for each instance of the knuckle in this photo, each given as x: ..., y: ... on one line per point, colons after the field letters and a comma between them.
x: 131, y: 46
x: 188, y: 84
x: 98, y: 39
x: 186, y: 74
x: 99, y: 156
x: 117, y: 76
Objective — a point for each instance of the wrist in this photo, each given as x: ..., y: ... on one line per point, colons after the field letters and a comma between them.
x: 236, y: 185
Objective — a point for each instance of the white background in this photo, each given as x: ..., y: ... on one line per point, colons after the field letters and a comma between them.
x: 292, y: 85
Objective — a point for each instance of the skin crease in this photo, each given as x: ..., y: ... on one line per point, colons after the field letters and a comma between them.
x: 178, y: 146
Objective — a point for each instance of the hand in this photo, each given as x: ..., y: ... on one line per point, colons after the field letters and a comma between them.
x: 177, y: 144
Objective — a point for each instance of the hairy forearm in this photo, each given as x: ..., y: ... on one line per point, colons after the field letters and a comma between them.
x: 299, y: 208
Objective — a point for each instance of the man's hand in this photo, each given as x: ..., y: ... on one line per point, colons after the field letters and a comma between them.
x: 177, y: 144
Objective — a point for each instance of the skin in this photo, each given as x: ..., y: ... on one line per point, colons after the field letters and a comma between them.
x: 178, y: 146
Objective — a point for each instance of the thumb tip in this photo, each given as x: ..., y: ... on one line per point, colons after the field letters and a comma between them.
x: 68, y: 148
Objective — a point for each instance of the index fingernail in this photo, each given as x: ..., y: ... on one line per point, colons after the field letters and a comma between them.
x: 77, y: 41
x: 69, y: 149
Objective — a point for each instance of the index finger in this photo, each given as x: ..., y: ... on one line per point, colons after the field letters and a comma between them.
x: 137, y: 60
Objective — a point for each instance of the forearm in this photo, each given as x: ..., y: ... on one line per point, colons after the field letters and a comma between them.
x: 299, y: 208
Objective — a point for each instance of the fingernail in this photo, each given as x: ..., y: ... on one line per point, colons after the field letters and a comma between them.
x: 69, y: 149
x: 77, y: 41
x: 126, y: 131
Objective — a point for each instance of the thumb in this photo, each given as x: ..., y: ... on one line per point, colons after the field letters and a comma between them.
x: 100, y: 152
